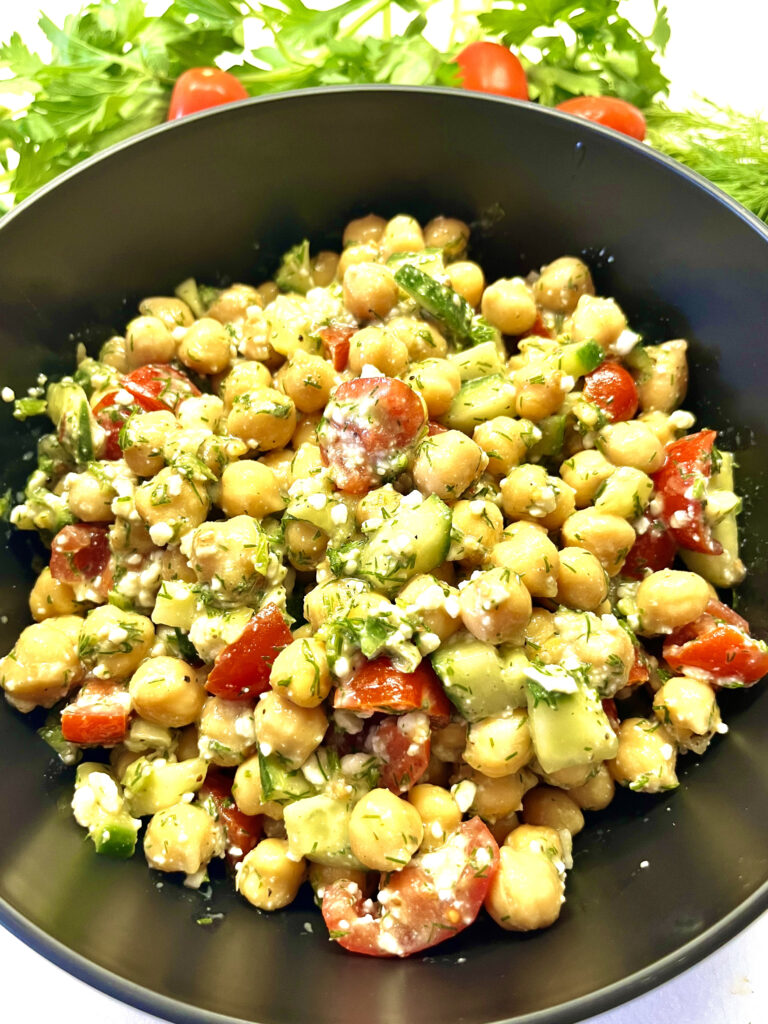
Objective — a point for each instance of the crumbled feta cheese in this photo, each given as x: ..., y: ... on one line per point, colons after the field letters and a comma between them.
x: 8, y: 394
x: 161, y: 533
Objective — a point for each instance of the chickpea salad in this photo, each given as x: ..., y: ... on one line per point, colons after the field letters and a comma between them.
x: 377, y: 576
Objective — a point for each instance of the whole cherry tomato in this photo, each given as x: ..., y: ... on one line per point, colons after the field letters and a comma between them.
x: 200, y: 88
x: 611, y: 388
x: 491, y: 67
x: 609, y: 111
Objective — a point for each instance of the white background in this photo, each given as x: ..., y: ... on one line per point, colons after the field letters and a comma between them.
x: 717, y: 50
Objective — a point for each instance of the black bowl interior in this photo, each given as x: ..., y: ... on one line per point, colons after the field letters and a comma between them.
x: 220, y: 197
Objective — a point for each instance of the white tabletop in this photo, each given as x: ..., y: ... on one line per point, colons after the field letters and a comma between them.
x: 729, y: 987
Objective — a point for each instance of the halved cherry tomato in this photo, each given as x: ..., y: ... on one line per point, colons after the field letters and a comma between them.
x: 609, y: 707
x: 201, y: 88
x: 80, y: 553
x: 369, y: 430
x: 434, y: 898
x: 242, y: 831
x: 491, y: 67
x: 681, y: 484
x: 111, y: 417
x: 242, y: 669
x: 653, y: 550
x: 379, y: 686
x: 610, y: 111
x: 718, y: 644
x: 335, y: 339
x: 98, y: 714
x: 402, y: 743
x: 158, y: 386
x: 611, y: 388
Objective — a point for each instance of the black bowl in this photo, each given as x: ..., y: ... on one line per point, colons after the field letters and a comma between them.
x: 221, y: 195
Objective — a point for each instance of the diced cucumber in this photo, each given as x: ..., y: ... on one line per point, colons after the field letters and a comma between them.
x: 415, y: 540
x: 326, y: 518
x: 115, y: 838
x: 478, y: 679
x: 639, y: 362
x: 480, y: 361
x: 175, y: 605
x: 280, y: 783
x: 452, y: 312
x: 569, y: 729
x: 726, y: 569
x: 188, y: 292
x: 144, y: 736
x: 50, y: 732
x: 295, y: 271
x: 480, y: 400
x: 578, y: 358
x: 99, y: 805
x: 318, y: 829
x: 71, y: 414
x: 152, y: 786
x: 550, y: 444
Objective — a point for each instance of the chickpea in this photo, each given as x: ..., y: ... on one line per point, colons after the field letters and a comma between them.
x: 113, y: 643
x: 247, y: 794
x: 538, y: 391
x: 364, y: 252
x: 376, y: 505
x: 646, y: 757
x: 51, y: 597
x: 300, y: 672
x: 562, y: 283
x: 437, y: 381
x: 430, y: 603
x: 597, y: 792
x: 528, y: 493
x: 364, y: 229
x: 231, y: 304
x: 500, y: 745
x: 130, y: 537
x: 667, y: 426
x: 148, y: 340
x: 268, y: 878
x: 581, y: 580
x: 90, y: 497
x: 44, y: 665
x: 402, y: 234
x: 183, y: 837
x: 449, y: 742
x: 264, y: 418
x: 608, y: 538
x: 321, y: 876
x: 250, y: 488
x: 567, y: 778
x: 293, y: 732
x: 268, y: 292
x: 688, y: 708
x: 248, y: 375
x: 279, y: 462
x: 369, y: 290
x: 664, y: 388
x: 626, y: 493
x: 174, y: 566
x: 501, y: 829
x: 422, y: 340
x: 495, y: 606
x: 384, y: 831
x: 552, y: 843
x: 200, y: 412
x: 526, y: 550
x: 476, y: 526
x: 526, y: 892
x: 167, y: 691
x: 308, y: 381
x: 449, y: 234
x: 631, y: 443
x: 113, y: 353
x: 500, y: 797
x: 324, y: 267
x: 586, y: 472
x: 505, y: 441
x: 227, y: 731
x: 509, y: 305
x: 171, y: 311
x: 447, y: 463
x: 144, y: 436
x: 438, y: 811
x: 669, y: 599
x: 596, y: 319
x: 230, y: 556
x: 206, y: 347
x: 373, y: 346
x: 554, y: 808
x: 468, y: 280
x: 305, y: 545
x: 170, y: 502
x: 329, y: 598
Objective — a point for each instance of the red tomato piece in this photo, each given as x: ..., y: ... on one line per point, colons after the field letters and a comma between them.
x: 402, y: 743
x: 98, y: 714
x: 435, y: 428
x: 242, y: 669
x: 369, y: 430
x: 611, y: 388
x: 539, y: 329
x: 639, y: 672
x: 609, y: 707
x: 435, y: 897
x: 242, y: 831
x: 80, y: 553
x: 158, y: 386
x: 335, y: 339
x: 681, y: 485
x: 719, y: 644
x: 379, y: 686
x: 201, y: 88
x: 491, y: 67
x: 653, y: 550
x: 609, y: 111
x: 111, y: 416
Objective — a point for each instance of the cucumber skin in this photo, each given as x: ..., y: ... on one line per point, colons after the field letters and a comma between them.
x: 114, y: 839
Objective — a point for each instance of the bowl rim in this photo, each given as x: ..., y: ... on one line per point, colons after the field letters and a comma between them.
x: 583, y: 1007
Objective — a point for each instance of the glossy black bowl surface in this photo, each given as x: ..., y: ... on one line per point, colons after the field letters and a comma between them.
x: 219, y: 197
